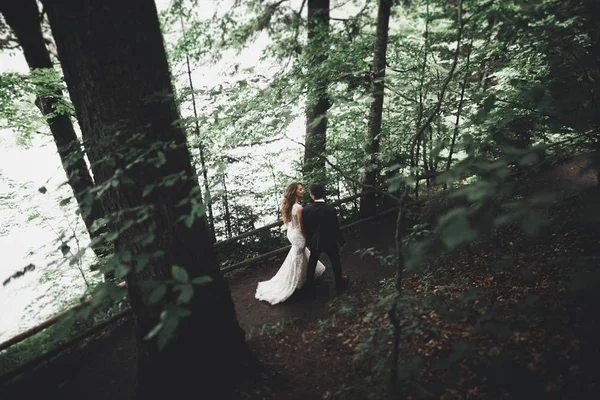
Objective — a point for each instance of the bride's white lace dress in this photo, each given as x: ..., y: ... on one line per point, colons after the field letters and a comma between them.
x: 292, y: 273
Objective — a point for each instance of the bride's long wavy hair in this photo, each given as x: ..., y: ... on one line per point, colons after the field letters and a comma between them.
x: 289, y: 199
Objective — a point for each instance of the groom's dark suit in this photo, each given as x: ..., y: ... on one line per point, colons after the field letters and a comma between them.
x: 322, y: 235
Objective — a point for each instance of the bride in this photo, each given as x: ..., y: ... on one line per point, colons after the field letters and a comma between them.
x: 292, y: 273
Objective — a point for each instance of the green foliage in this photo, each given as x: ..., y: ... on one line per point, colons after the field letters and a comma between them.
x: 79, y: 322
x: 18, y: 94
x: 520, y: 90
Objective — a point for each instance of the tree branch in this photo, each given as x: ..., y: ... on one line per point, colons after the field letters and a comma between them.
x: 376, y: 188
x: 403, y: 96
x: 402, y: 71
x: 524, y: 107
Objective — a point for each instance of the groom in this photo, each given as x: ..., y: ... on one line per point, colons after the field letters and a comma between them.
x: 322, y: 232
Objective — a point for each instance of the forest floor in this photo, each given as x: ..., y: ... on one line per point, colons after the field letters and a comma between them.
x: 509, y: 316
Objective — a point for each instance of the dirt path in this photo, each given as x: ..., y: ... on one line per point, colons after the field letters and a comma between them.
x: 254, y: 314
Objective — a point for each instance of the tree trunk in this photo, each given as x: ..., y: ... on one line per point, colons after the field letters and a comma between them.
x: 211, y: 219
x: 118, y: 77
x: 416, y: 163
x: 368, y: 204
x: 227, y: 211
x: 317, y: 100
x: 414, y: 159
x: 23, y: 18
x: 426, y: 167
x: 461, y: 101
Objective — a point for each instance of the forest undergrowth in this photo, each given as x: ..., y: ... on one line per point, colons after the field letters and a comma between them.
x: 509, y: 316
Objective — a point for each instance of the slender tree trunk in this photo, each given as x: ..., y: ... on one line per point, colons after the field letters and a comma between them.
x: 438, y: 106
x: 416, y: 163
x: 395, y: 309
x: 118, y: 76
x: 23, y: 18
x: 486, y: 62
x: 414, y: 159
x: 426, y: 168
x: 318, y: 100
x: 211, y: 219
x: 226, y: 205
x: 461, y: 101
x: 368, y: 203
x: 276, y: 189
x: 432, y: 161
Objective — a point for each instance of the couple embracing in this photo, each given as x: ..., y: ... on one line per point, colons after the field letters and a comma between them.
x: 311, y: 230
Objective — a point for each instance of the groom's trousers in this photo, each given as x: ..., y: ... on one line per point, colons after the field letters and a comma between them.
x: 334, y: 256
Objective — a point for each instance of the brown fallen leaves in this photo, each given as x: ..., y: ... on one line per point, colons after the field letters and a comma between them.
x: 524, y: 322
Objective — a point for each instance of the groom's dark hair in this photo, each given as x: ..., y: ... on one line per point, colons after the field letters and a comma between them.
x: 317, y: 190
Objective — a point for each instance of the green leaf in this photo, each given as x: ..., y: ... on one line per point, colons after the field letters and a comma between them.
x: 529, y: 159
x: 543, y: 198
x: 111, y: 236
x: 125, y: 256
x: 183, y: 312
x: 189, y: 220
x: 148, y: 189
x: 32, y: 217
x: 65, y: 249
x: 64, y: 202
x: 201, y: 280
x: 187, y: 292
x: 169, y: 325
x: 147, y: 239
x: 121, y: 271
x: 180, y: 274
x: 141, y: 260
x: 100, y: 294
x: 127, y: 181
x: 157, y: 294
x: 455, y: 228
x: 154, y: 331
x: 43, y: 190
x: 161, y: 159
x: 200, y: 210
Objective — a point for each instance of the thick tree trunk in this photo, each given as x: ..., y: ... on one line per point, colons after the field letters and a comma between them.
x: 23, y: 18
x: 317, y: 101
x: 117, y: 73
x: 368, y: 204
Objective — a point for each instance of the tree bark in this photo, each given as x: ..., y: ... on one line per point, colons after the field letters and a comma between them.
x: 368, y: 204
x: 118, y: 77
x: 317, y: 100
x: 23, y: 18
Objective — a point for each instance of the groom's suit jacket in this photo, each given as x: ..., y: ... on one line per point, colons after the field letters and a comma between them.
x: 321, y: 226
